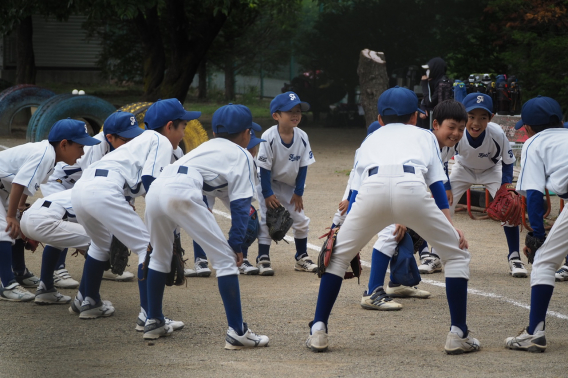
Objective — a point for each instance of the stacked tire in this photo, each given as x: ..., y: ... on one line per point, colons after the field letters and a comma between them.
x: 17, y: 98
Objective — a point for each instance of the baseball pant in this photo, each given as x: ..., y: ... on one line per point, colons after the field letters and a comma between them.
x: 284, y: 194
x: 462, y: 178
x: 177, y: 199
x: 101, y: 208
x: 47, y: 226
x: 393, y: 196
x: 552, y: 253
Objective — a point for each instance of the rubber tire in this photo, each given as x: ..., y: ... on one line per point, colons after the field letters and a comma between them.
x: 19, y: 97
x: 91, y: 109
x: 194, y: 135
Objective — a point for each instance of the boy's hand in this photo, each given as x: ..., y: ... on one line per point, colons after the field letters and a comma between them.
x: 399, y: 232
x: 272, y: 202
x: 463, y: 243
x: 239, y: 258
x: 450, y: 197
x: 298, y: 202
x: 343, y: 206
x: 13, y: 227
x: 424, y: 116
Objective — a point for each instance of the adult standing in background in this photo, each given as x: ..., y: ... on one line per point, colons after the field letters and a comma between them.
x: 435, y: 71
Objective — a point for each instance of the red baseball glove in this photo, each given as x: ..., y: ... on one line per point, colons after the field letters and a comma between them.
x: 507, y: 206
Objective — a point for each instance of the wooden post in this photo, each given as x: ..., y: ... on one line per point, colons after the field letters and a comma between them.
x: 373, y: 81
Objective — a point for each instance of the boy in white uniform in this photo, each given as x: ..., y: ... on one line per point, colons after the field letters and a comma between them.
x: 22, y: 170
x: 543, y: 166
x: 283, y: 161
x: 176, y: 198
x: 484, y: 156
x: 394, y: 166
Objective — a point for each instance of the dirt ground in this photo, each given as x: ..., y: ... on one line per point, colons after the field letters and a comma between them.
x: 48, y: 341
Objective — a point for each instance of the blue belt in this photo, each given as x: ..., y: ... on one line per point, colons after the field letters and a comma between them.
x: 101, y: 172
x: 406, y: 168
x: 46, y: 204
x: 182, y: 169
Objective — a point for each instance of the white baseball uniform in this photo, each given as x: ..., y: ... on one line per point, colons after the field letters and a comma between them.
x: 543, y: 166
x: 176, y: 198
x: 284, y: 164
x: 51, y: 220
x: 28, y: 165
x: 99, y: 197
x: 395, y: 165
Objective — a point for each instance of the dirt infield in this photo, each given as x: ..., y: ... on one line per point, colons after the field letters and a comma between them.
x: 48, y: 341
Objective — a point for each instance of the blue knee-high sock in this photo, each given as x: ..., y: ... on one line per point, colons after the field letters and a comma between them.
x: 540, y: 298
x: 61, y: 262
x: 93, y: 275
x: 329, y: 290
x: 263, y: 249
x: 245, y: 252
x: 301, y: 248
x: 6, y: 274
x: 49, y: 261
x: 456, y: 292
x: 231, y: 295
x: 18, y: 258
x: 155, y: 284
x: 198, y: 252
x: 143, y: 288
x: 423, y: 248
x: 512, y: 235
x: 379, y: 265
x: 566, y: 260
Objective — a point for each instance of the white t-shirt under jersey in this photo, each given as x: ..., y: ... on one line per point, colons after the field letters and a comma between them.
x: 495, y: 146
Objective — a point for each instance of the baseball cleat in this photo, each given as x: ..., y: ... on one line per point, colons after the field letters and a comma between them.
x: 248, y: 340
x: 202, y: 268
x: 305, y: 264
x: 156, y: 328
x: 517, y: 268
x: 28, y: 279
x: 535, y: 343
x: 562, y: 273
x: 430, y: 264
x: 75, y: 306
x: 457, y: 345
x: 63, y: 280
x: 141, y: 322
x: 400, y: 291
x: 125, y: 276
x: 317, y: 341
x: 44, y: 296
x: 14, y: 292
x: 379, y: 300
x: 264, y: 266
x: 97, y: 310
x: 247, y: 268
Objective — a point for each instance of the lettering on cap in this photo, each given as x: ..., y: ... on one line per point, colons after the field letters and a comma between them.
x: 86, y: 131
x: 292, y: 96
x: 132, y: 121
x: 479, y: 99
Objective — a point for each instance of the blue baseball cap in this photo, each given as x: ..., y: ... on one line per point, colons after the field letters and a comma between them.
x: 398, y: 101
x: 539, y: 111
x: 163, y: 111
x: 122, y: 124
x: 254, y: 140
x: 286, y: 101
x: 233, y: 119
x: 73, y: 130
x: 373, y: 127
x: 478, y: 101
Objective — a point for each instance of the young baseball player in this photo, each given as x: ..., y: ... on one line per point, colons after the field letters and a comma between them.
x: 22, y: 170
x: 394, y: 166
x: 543, y: 166
x: 102, y: 209
x: 283, y: 161
x: 176, y: 198
x: 484, y: 156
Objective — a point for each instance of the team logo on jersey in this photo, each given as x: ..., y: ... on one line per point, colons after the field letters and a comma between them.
x: 132, y: 121
x: 311, y: 155
x: 262, y: 158
x: 294, y: 158
x: 482, y: 155
x: 510, y: 152
x: 36, y: 186
x: 479, y: 99
x: 292, y: 96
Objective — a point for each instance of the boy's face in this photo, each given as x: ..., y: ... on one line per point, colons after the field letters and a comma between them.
x: 290, y: 118
x: 449, y: 132
x: 175, y: 134
x: 70, y: 152
x: 477, y: 120
x: 116, y: 141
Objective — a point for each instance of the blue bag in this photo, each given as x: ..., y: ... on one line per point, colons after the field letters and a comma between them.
x: 404, y: 270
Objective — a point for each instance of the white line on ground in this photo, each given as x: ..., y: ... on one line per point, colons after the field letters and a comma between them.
x: 4, y: 147
x: 432, y: 282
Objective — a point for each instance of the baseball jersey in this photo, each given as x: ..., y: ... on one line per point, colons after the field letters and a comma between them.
x: 543, y: 162
x: 399, y: 144
x: 495, y: 146
x: 145, y: 155
x: 28, y: 165
x: 284, y: 162
x: 227, y: 169
x: 62, y: 199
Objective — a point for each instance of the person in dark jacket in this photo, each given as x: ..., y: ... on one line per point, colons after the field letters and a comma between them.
x: 435, y: 71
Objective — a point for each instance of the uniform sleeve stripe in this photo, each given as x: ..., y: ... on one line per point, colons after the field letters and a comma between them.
x: 495, y: 158
x: 303, y: 141
x: 156, y: 156
x: 38, y: 164
x: 523, y: 168
x: 248, y: 164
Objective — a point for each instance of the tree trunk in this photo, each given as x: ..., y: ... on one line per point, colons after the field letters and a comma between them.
x: 202, y: 90
x: 373, y: 81
x: 229, y: 78
x: 187, y: 51
x: 25, y: 59
x: 155, y: 57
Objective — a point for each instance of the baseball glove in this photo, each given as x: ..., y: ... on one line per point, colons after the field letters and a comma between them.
x: 253, y: 228
x: 118, y: 256
x: 29, y: 244
x: 507, y: 206
x: 176, y: 275
x: 404, y: 270
x: 279, y: 222
x: 533, y: 244
x: 324, y: 256
x: 416, y: 239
